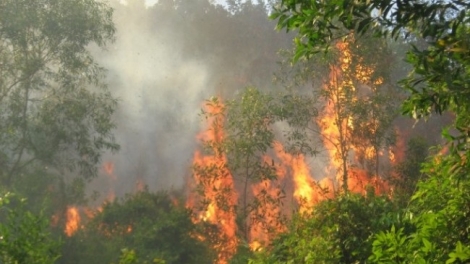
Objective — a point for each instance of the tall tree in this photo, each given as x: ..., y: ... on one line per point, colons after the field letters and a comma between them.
x: 55, y: 109
x: 435, y: 228
x: 357, y: 103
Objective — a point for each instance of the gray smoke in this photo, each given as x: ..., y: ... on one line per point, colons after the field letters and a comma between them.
x: 162, y: 66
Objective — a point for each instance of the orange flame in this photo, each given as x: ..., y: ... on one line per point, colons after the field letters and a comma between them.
x: 73, y: 221
x: 336, y: 126
x: 306, y: 193
x: 218, y: 194
x: 265, y: 219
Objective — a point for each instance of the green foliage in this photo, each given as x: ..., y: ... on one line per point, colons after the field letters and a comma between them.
x: 55, y: 109
x: 434, y: 229
x: 338, y: 231
x: 147, y: 223
x: 130, y: 257
x: 24, y: 236
x: 439, y: 77
x: 321, y: 22
x: 407, y: 173
x: 438, y: 217
x: 250, y: 134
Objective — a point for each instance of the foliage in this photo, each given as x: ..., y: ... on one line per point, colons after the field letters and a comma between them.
x: 356, y: 99
x: 129, y: 257
x: 407, y: 173
x: 338, y: 231
x: 24, y: 236
x: 250, y: 120
x: 435, y: 226
x: 149, y: 224
x: 55, y: 109
x: 439, y: 76
x: 438, y: 215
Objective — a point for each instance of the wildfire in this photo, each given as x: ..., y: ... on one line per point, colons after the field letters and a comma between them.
x: 216, y: 196
x: 266, y: 219
x: 73, y: 221
x: 216, y: 184
x: 306, y: 193
x: 108, y: 168
x: 336, y: 124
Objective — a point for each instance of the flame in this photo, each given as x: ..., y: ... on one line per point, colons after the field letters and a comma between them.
x: 108, y: 168
x: 218, y: 194
x: 214, y: 182
x: 73, y: 221
x: 265, y: 219
x: 306, y: 192
x: 336, y: 125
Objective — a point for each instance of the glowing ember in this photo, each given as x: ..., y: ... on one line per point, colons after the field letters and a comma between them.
x: 73, y: 221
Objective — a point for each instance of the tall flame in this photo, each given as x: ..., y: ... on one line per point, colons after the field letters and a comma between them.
x: 267, y: 216
x: 336, y: 124
x: 217, y: 192
x: 306, y: 193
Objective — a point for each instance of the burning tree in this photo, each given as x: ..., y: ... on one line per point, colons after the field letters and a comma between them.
x: 237, y: 179
x: 216, y: 197
x: 356, y: 103
x: 245, y: 171
x: 356, y: 123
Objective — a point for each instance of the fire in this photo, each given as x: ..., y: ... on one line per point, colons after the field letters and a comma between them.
x: 73, y: 221
x: 336, y: 125
x: 218, y: 193
x: 306, y: 193
x: 108, y: 168
x: 216, y: 188
x: 266, y: 219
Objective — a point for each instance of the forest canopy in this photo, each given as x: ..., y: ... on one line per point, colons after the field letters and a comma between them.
x: 193, y: 132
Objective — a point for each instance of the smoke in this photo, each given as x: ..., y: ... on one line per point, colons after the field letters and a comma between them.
x: 159, y: 95
x: 166, y: 60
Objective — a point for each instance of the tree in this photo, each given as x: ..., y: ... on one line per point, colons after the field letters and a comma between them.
x: 437, y: 81
x: 407, y: 173
x: 435, y: 227
x: 24, y: 234
x: 339, y: 231
x: 234, y: 176
x: 356, y: 101
x: 250, y: 135
x: 150, y: 224
x: 55, y: 109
